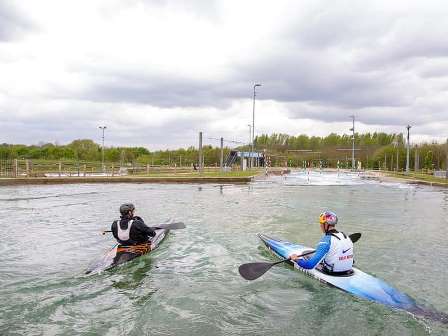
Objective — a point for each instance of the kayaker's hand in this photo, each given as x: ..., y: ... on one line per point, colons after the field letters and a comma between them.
x: 293, y: 257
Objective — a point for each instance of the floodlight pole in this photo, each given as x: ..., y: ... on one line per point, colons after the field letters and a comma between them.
x: 221, y: 157
x: 407, y: 152
x: 253, y: 124
x: 248, y: 150
x: 353, y: 142
x: 102, y: 147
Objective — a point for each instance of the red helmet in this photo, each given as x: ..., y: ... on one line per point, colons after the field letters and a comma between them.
x: 328, y: 217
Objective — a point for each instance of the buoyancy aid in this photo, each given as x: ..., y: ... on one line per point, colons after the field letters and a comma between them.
x: 123, y: 235
x: 340, y: 256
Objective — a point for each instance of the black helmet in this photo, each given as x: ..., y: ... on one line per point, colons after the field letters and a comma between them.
x: 126, y: 207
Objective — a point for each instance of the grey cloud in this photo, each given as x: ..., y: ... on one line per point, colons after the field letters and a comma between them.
x: 310, y: 64
x: 286, y: 78
x: 64, y: 122
x: 388, y: 116
x: 13, y: 24
x: 202, y: 9
x: 155, y: 91
x: 434, y: 70
x: 328, y: 63
x: 348, y: 23
x: 376, y: 35
x: 181, y: 131
x: 305, y: 81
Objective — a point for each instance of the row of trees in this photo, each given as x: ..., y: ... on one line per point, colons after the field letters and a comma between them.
x: 78, y: 150
x: 283, y: 142
x: 374, y: 150
x: 89, y: 151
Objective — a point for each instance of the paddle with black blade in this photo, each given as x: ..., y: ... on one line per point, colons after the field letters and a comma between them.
x: 252, y: 271
x: 170, y: 226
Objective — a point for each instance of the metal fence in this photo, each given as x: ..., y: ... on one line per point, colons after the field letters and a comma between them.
x: 7, y: 168
x: 42, y: 168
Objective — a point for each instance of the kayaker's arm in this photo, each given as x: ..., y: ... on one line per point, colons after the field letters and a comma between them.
x: 113, y: 229
x: 321, y: 250
x: 142, y: 227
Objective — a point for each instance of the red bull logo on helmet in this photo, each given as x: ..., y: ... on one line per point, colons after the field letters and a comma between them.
x: 328, y: 217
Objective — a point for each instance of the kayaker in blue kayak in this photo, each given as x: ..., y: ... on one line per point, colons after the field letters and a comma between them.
x: 130, y: 229
x: 334, y: 252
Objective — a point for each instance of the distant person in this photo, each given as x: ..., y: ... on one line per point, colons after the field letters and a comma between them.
x: 334, y: 252
x: 130, y: 229
x: 194, y: 167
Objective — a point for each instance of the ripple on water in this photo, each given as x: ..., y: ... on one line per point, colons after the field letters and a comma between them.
x: 191, y: 285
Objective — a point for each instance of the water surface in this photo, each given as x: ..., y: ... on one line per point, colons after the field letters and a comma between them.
x: 190, y: 285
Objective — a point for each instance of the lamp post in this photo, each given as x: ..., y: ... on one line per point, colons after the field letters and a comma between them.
x: 407, y: 152
x: 395, y: 144
x: 250, y: 137
x: 253, y: 123
x: 102, y: 147
x: 353, y: 141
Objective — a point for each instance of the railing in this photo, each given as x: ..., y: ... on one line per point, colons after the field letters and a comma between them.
x: 42, y: 168
x: 7, y: 168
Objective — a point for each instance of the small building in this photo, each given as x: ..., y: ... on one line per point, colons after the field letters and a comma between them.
x: 243, y: 158
x: 440, y: 173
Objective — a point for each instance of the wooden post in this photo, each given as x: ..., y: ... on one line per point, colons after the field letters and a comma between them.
x: 113, y: 170
x: 85, y: 169
x: 27, y: 164
x: 60, y: 169
x: 147, y: 169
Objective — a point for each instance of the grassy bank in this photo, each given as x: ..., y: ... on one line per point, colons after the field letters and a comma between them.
x: 162, y: 177
x: 419, y: 178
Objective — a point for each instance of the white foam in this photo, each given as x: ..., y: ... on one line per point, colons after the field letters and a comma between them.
x: 325, y: 178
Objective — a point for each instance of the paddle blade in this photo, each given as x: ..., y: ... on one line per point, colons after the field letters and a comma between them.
x: 170, y: 226
x: 252, y: 271
x: 354, y: 237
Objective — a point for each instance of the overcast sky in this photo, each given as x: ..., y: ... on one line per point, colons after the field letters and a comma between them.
x: 158, y: 72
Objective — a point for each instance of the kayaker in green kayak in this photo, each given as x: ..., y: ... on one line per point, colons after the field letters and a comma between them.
x: 130, y: 229
x: 334, y: 252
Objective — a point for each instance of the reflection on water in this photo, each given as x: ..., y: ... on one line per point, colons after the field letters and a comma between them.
x: 190, y: 285
x: 133, y: 274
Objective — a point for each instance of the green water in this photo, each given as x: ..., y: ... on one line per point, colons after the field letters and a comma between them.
x: 191, y: 285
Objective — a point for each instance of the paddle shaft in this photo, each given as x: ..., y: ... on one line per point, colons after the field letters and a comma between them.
x: 354, y: 237
x: 299, y: 256
x: 170, y: 226
x: 252, y: 271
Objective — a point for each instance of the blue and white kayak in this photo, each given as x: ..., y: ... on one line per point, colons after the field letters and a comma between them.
x: 359, y: 283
